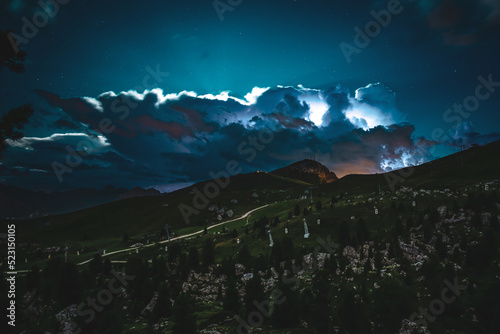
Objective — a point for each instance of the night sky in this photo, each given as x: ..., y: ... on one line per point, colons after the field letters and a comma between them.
x: 160, y: 93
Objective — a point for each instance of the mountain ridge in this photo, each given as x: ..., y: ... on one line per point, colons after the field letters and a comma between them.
x: 473, y: 163
x: 310, y: 171
x: 24, y: 203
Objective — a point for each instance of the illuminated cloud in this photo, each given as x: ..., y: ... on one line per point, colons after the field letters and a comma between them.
x: 26, y: 143
x: 373, y: 105
x: 95, y: 103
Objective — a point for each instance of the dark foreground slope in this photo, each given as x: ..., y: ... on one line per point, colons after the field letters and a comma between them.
x: 478, y: 164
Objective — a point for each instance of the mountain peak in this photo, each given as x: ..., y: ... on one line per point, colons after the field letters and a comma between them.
x: 307, y: 170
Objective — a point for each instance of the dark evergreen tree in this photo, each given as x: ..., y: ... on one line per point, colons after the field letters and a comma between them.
x: 174, y: 250
x: 96, y: 264
x: 352, y: 313
x: 106, y: 266
x: 276, y: 255
x: 286, y: 314
x: 334, y: 200
x: 296, y: 210
x: 362, y: 232
x: 163, y: 307
x: 183, y: 268
x: 321, y: 308
x: 68, y: 284
x: 287, y: 248
x: 193, y: 258
x: 139, y: 270
x: 378, y: 261
x: 228, y: 267
x: 344, y: 233
x: 392, y: 302
x: 208, y: 252
x: 254, y: 292
x: 331, y: 264
x: 183, y: 315
x: 488, y: 308
x: 234, y: 233
x: 11, y: 123
x: 232, y: 298
x: 245, y: 258
x: 440, y: 247
x: 159, y: 268
x: 305, y: 212
x: 262, y: 263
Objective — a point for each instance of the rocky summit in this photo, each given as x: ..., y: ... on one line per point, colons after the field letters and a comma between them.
x: 307, y: 170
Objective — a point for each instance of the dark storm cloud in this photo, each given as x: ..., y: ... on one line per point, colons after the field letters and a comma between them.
x: 65, y: 124
x: 381, y: 97
x: 338, y: 101
x: 378, y: 149
x: 153, y: 138
x: 465, y: 135
x: 292, y: 122
x: 293, y: 107
x: 274, y: 96
x: 459, y: 22
x: 377, y: 95
x: 181, y: 137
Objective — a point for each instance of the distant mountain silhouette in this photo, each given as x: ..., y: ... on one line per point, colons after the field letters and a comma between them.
x: 309, y: 171
x: 22, y: 203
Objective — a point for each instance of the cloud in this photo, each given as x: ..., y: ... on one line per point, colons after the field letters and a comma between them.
x: 94, y: 103
x: 466, y: 136
x: 27, y: 143
x: 461, y: 23
x: 373, y: 105
x: 338, y: 101
x: 159, y: 139
x: 376, y: 94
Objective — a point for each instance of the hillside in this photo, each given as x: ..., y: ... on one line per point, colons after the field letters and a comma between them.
x: 478, y: 164
x: 22, y: 203
x: 245, y: 191
x: 393, y: 246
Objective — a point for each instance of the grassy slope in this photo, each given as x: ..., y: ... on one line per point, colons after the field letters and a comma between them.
x: 479, y: 165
